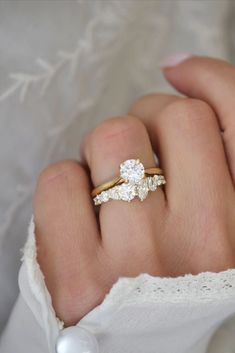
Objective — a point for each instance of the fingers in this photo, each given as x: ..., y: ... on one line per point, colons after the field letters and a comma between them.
x: 112, y: 142
x: 124, y: 225
x: 199, y: 189
x: 186, y: 135
x: 67, y: 236
x: 213, y: 81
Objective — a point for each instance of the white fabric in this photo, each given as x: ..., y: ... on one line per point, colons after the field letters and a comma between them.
x: 143, y: 314
x: 96, y: 58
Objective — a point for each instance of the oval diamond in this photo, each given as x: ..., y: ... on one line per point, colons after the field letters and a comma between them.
x: 132, y: 171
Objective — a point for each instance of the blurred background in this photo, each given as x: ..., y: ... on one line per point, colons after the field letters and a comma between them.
x: 65, y: 65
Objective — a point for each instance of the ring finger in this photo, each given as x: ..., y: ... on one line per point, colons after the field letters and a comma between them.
x: 123, y: 225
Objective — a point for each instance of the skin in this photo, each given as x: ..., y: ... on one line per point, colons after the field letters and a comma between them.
x: 187, y: 227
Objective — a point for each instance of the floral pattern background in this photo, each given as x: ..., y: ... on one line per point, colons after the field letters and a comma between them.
x: 67, y: 65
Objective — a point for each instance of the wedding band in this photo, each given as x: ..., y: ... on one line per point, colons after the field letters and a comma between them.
x: 119, y: 180
x: 134, y: 180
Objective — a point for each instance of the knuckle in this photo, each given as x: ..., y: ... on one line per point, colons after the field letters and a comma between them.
x: 112, y: 129
x: 190, y: 111
x: 145, y: 103
x: 56, y: 178
x: 145, y: 100
x: 68, y: 168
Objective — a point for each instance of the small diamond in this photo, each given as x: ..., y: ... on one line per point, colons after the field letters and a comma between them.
x: 113, y: 193
x: 97, y: 200
x: 104, y: 196
x: 132, y: 171
x: 126, y: 192
x: 143, y: 190
x: 152, y: 184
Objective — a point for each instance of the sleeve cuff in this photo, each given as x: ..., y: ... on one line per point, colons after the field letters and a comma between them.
x: 141, y: 314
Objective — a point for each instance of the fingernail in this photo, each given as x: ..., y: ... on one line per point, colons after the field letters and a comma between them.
x: 175, y: 59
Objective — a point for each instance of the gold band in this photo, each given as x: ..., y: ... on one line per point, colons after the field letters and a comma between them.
x: 119, y: 180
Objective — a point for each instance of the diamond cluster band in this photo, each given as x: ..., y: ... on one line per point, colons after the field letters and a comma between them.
x: 134, y: 182
x: 127, y: 192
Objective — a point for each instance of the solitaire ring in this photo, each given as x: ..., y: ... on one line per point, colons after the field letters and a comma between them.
x: 134, y: 181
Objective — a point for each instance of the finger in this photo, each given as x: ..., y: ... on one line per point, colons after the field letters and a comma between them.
x: 186, y: 135
x: 199, y: 186
x: 213, y: 81
x: 67, y: 235
x: 147, y: 107
x: 124, y: 225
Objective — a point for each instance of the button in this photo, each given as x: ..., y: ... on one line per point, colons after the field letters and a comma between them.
x: 76, y: 339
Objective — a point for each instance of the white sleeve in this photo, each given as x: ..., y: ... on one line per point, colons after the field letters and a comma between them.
x: 142, y: 314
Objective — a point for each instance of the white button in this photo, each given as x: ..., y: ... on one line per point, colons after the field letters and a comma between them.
x: 75, y: 339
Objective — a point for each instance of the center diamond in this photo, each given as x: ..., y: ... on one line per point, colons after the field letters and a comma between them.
x: 132, y: 171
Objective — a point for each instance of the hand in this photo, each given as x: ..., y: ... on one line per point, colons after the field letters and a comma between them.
x: 187, y: 227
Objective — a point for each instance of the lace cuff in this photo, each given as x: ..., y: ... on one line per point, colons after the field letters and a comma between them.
x: 141, y: 314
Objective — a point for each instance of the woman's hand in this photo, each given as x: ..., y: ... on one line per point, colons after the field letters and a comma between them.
x: 187, y: 227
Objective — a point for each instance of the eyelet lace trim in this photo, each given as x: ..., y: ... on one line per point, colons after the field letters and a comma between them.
x: 205, y: 286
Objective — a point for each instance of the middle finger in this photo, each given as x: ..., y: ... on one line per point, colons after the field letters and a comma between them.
x: 186, y: 138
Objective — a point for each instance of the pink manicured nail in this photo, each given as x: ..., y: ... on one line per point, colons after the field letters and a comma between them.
x: 175, y: 59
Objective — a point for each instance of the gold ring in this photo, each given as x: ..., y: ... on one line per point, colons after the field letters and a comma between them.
x: 132, y: 172
x: 119, y: 180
